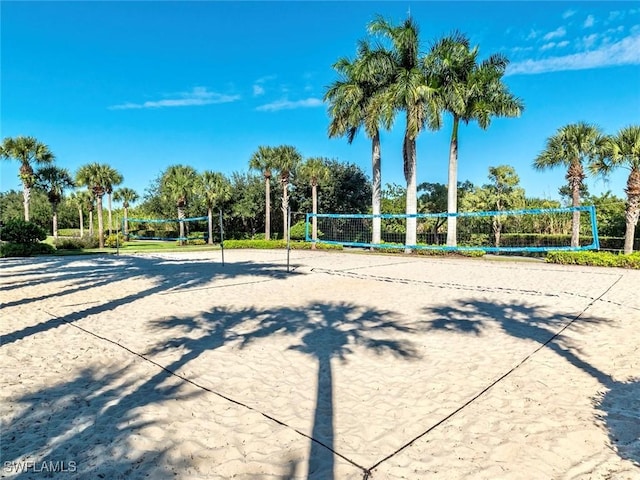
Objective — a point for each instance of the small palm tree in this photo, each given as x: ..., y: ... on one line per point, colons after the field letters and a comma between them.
x: 76, y: 200
x: 315, y: 171
x: 573, y: 146
x: 285, y: 161
x: 96, y: 177
x: 114, y: 178
x: 468, y: 91
x: 29, y: 152
x: 262, y: 160
x: 413, y: 92
x: 126, y: 196
x: 623, y: 150
x: 54, y: 181
x: 216, y: 189
x: 178, y: 183
x: 355, y: 101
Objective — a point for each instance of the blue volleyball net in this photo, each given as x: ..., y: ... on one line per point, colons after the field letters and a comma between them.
x: 536, y: 230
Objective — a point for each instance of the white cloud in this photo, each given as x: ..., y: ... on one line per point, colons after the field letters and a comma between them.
x: 562, y: 44
x: 290, y: 105
x: 258, y: 85
x: 547, y: 46
x: 258, y: 90
x: 623, y: 52
x: 568, y: 13
x: 589, y: 22
x: 557, y: 33
x: 196, y: 97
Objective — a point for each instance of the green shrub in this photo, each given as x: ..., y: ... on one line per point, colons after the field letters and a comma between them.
x: 597, y: 259
x: 11, y: 249
x: 196, y: 241
x: 114, y: 240
x: 19, y: 231
x: 275, y: 244
x: 77, y: 243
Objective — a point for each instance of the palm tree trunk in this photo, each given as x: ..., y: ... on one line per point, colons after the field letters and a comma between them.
x: 81, y: 222
x: 54, y: 222
x: 126, y: 223
x: 267, y: 208
x: 376, y: 191
x: 314, y: 209
x: 409, y: 152
x: 180, y: 217
x: 109, y: 205
x: 100, y: 223
x: 26, y: 195
x: 575, y: 222
x: 452, y: 187
x: 285, y: 208
x: 90, y: 222
x: 210, y: 219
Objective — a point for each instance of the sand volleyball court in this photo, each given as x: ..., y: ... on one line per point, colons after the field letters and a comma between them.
x: 351, y: 366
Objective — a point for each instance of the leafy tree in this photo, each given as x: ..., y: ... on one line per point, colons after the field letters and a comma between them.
x: 54, y: 180
x: 413, y: 92
x: 623, y: 150
x: 178, y: 184
x: 572, y: 146
x: 469, y: 91
x: 127, y: 196
x: 29, y: 152
x: 263, y: 161
x: 355, y: 101
x: 113, y: 178
x: 96, y: 177
x: 216, y: 189
x: 315, y: 171
x: 286, y: 159
x: 610, y: 214
x: 247, y: 192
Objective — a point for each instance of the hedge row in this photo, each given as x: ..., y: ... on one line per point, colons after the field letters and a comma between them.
x: 266, y: 244
x: 598, y: 259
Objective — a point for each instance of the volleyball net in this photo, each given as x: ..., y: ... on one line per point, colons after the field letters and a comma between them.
x: 166, y: 229
x: 535, y: 230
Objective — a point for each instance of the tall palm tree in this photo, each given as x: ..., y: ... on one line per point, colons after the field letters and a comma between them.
x: 468, y: 91
x: 77, y: 200
x: 286, y: 159
x: 96, y: 177
x: 262, y: 160
x: 623, y: 150
x: 573, y: 146
x: 29, y: 152
x: 413, y: 92
x: 126, y: 196
x: 54, y: 180
x: 216, y: 189
x: 315, y: 171
x: 114, y: 178
x: 355, y: 101
x: 178, y: 183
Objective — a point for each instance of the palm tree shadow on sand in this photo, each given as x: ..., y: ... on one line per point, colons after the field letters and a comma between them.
x: 619, y: 404
x: 323, y: 331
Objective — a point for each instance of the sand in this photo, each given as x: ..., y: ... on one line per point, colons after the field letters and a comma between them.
x: 350, y: 366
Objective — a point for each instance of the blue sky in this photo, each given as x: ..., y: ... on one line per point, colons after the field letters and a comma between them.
x: 144, y: 85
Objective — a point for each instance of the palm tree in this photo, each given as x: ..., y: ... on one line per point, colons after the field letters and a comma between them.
x: 54, y: 180
x: 285, y: 161
x: 315, y: 171
x: 216, y: 189
x: 96, y: 177
x: 468, y: 91
x: 262, y: 160
x: 90, y: 202
x: 126, y: 196
x: 355, y: 101
x: 623, y: 150
x: 413, y: 92
x: 29, y: 152
x: 178, y: 183
x: 573, y: 146
x: 114, y: 178
x: 78, y: 201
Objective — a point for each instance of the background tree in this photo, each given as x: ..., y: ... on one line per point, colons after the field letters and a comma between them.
x: 623, y: 150
x: 54, y: 180
x: 114, y: 178
x: 286, y: 159
x: 215, y: 189
x: 127, y: 196
x: 76, y: 200
x: 263, y: 161
x: 355, y: 101
x: 413, y: 92
x: 572, y: 146
x: 178, y: 183
x: 95, y: 177
x: 468, y: 91
x: 315, y: 171
x: 29, y: 152
x: 247, y: 192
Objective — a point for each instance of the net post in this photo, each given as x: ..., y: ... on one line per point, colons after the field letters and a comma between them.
x: 306, y: 228
x: 221, y: 238
x: 594, y: 227
x: 288, y: 236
